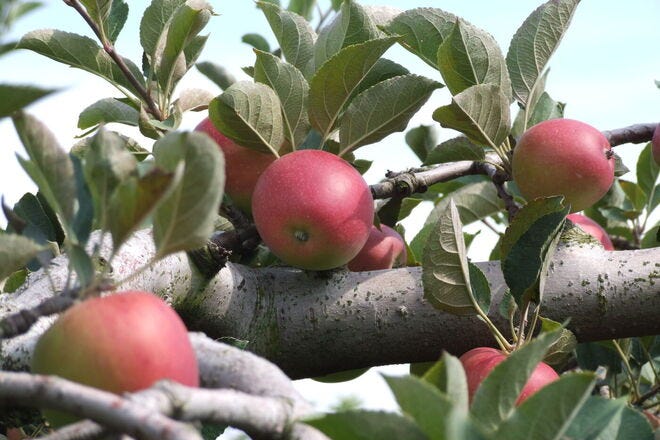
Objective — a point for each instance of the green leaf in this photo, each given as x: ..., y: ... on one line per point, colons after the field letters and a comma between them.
x: 193, y: 99
x: 39, y: 225
x: 367, y: 425
x: 49, y: 166
x: 15, y: 252
x: 422, y: 140
x: 351, y: 25
x: 382, y: 110
x: 304, y: 8
x: 292, y: 89
x: 445, y: 273
x: 474, y: 201
x: 534, y: 43
x: 547, y: 414
x: 651, y: 237
x: 188, y: 20
x: 422, y: 402
x: 14, y: 281
x: 108, y: 110
x: 480, y: 112
x: 294, y: 34
x: 422, y: 31
x: 135, y: 198
x: 80, y: 52
x: 15, y: 97
x: 495, y: 398
x: 382, y: 70
x: 257, y: 41
x: 154, y: 25
x: 545, y: 108
x: 107, y: 163
x: 216, y: 73
x: 480, y: 287
x: 562, y: 350
x: 335, y: 82
x: 184, y: 221
x: 82, y: 264
x: 98, y: 10
x: 469, y: 56
x: 647, y: 174
x: 250, y: 114
x: 449, y: 377
x: 83, y: 220
x: 454, y: 150
x: 117, y: 19
x: 528, y: 245
x: 635, y: 194
x: 7, y: 47
x: 609, y: 419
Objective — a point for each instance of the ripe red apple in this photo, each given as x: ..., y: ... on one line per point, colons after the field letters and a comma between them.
x: 563, y: 157
x: 243, y: 166
x: 591, y: 227
x: 655, y: 145
x: 479, y: 362
x: 313, y: 209
x: 383, y: 249
x: 119, y: 343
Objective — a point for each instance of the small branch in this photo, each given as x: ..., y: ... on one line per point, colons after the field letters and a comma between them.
x: 499, y: 179
x: 108, y: 409
x: 655, y: 389
x: 21, y: 322
x: 635, y: 134
x: 109, y: 48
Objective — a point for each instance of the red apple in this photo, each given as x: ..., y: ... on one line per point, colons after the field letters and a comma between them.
x: 563, y: 157
x: 243, y: 166
x: 655, y: 145
x: 479, y: 362
x: 119, y: 343
x: 591, y: 227
x: 384, y: 248
x: 313, y: 209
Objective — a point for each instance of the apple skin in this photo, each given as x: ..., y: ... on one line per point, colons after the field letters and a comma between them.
x: 384, y: 248
x: 119, y: 343
x: 563, y: 157
x: 479, y: 362
x: 591, y: 227
x: 655, y: 145
x: 243, y: 166
x: 313, y: 210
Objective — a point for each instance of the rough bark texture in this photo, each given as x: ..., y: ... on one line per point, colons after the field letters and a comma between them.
x: 312, y: 324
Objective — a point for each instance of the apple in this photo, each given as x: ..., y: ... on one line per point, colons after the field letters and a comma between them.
x: 243, y: 166
x: 313, y: 209
x: 479, y: 362
x: 384, y: 248
x: 119, y: 343
x: 591, y: 227
x: 655, y: 145
x: 563, y: 157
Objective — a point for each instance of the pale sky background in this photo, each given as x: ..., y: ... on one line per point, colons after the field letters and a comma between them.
x: 604, y: 70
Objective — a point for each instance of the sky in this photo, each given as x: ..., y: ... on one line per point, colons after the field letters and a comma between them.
x: 604, y: 70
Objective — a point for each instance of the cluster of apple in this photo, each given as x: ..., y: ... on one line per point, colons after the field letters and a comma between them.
x: 311, y: 208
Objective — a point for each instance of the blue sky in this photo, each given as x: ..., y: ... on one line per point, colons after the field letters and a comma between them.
x: 604, y: 70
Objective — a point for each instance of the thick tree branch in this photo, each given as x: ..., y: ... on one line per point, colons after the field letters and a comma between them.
x: 369, y: 318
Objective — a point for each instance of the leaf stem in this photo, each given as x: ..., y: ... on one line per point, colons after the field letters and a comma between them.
x: 523, y: 323
x: 109, y: 48
x: 626, y: 366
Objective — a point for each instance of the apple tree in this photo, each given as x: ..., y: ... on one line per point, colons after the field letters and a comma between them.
x: 258, y: 229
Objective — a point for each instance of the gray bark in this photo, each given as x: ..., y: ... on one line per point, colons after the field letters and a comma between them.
x: 312, y: 324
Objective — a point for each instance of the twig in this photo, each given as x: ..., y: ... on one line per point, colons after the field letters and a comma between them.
x: 499, y: 179
x: 635, y: 134
x: 21, y: 321
x: 655, y: 389
x: 117, y: 413
x: 109, y: 48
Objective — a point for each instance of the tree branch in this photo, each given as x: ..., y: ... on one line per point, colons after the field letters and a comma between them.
x: 635, y: 134
x: 365, y: 318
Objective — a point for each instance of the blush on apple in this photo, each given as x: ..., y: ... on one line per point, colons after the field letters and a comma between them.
x: 119, y: 343
x: 313, y: 209
x: 243, y: 166
x: 563, y: 157
x: 479, y: 362
x: 384, y: 248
